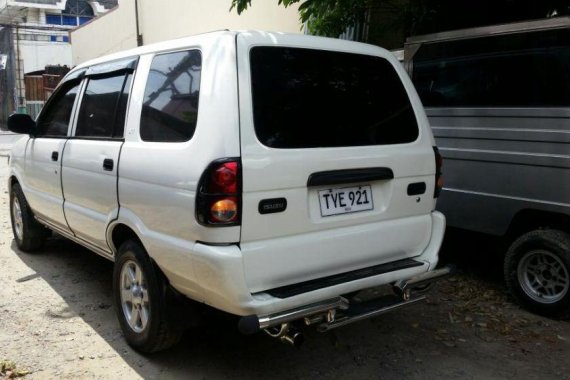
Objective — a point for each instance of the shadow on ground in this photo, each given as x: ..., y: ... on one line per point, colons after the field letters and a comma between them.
x: 475, y: 254
x: 431, y: 340
x: 217, y: 349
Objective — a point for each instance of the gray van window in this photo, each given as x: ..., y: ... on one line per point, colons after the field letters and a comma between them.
x: 170, y: 107
x: 517, y: 70
x: 304, y: 98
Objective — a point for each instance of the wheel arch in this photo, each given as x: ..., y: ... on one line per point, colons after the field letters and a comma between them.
x: 119, y: 234
x: 12, y: 180
x: 532, y: 219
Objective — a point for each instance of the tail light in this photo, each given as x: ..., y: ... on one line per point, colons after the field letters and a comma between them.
x: 438, y: 173
x: 218, y: 199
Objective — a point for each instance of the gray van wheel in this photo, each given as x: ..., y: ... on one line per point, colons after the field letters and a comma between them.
x: 537, y: 271
x: 28, y: 233
x: 141, y: 295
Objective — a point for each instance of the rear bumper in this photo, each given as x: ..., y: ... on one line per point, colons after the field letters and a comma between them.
x: 338, y: 312
x: 220, y: 272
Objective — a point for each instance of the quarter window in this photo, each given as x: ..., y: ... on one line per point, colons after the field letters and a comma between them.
x: 103, y: 107
x: 54, y: 120
x: 170, y: 107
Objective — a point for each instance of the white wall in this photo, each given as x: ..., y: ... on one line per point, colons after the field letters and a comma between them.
x: 111, y: 32
x: 163, y: 20
x: 36, y: 55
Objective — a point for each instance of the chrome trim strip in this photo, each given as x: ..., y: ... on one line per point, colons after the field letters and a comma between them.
x: 485, y: 31
x: 559, y: 204
x: 101, y: 252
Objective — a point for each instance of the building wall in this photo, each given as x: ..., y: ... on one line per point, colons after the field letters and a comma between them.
x: 199, y: 16
x: 163, y: 20
x: 114, y: 31
x: 37, y: 55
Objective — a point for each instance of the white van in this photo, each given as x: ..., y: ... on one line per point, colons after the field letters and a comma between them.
x: 269, y: 176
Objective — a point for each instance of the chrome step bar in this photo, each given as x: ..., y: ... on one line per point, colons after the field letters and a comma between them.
x: 338, y: 311
x: 346, y: 320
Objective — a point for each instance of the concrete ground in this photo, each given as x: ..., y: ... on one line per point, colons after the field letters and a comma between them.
x: 56, y: 320
x: 7, y: 139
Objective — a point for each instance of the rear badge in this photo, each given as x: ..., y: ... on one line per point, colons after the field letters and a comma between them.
x: 271, y: 206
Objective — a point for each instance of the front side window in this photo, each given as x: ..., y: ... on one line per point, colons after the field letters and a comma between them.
x: 54, y: 120
x: 103, y: 107
x: 170, y: 107
x: 305, y: 98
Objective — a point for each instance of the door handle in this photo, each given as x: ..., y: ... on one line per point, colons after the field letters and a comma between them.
x: 54, y: 156
x: 108, y: 164
x: 339, y: 177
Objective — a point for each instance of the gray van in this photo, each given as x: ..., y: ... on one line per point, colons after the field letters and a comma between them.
x: 498, y: 100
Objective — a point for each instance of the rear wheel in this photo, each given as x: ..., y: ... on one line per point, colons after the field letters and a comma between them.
x: 537, y: 271
x: 141, y: 301
x: 28, y: 233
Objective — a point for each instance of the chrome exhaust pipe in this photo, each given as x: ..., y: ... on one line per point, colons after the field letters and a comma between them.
x: 422, y: 282
x: 251, y: 324
x: 294, y: 338
x: 286, y: 334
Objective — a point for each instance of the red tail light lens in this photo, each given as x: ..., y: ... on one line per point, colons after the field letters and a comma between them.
x: 218, y: 200
x: 438, y: 173
x: 224, y: 178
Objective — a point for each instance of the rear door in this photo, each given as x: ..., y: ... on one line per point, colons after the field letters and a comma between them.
x: 91, y: 156
x: 338, y: 164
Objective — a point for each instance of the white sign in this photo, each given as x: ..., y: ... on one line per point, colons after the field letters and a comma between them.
x: 3, y: 60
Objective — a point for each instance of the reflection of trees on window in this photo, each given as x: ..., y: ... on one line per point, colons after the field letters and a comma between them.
x: 170, y: 107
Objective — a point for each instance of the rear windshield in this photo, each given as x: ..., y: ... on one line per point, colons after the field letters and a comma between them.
x: 306, y: 98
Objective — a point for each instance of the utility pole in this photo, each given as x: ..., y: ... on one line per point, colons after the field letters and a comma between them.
x: 139, y: 35
x: 20, y: 90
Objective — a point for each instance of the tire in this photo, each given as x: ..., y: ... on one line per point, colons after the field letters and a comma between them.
x: 141, y: 297
x: 29, y: 234
x: 537, y: 272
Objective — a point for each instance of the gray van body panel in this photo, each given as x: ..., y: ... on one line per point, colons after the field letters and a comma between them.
x: 499, y: 162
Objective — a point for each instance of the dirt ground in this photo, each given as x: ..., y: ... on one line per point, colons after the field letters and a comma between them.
x: 56, y: 320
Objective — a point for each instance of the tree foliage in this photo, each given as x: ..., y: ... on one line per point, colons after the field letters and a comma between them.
x: 332, y: 17
x: 327, y: 18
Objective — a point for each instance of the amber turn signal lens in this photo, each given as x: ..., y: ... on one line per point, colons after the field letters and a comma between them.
x: 224, y: 210
x: 439, y: 182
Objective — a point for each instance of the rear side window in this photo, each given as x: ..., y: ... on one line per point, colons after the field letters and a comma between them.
x: 306, y: 98
x: 170, y: 107
x: 55, y: 119
x: 517, y: 70
x: 103, y: 107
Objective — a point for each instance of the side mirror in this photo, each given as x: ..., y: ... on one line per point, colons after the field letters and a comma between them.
x: 21, y: 123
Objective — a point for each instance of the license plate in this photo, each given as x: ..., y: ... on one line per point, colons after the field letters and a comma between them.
x: 345, y: 200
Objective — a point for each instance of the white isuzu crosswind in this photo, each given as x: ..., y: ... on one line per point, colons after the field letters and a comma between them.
x: 267, y: 175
